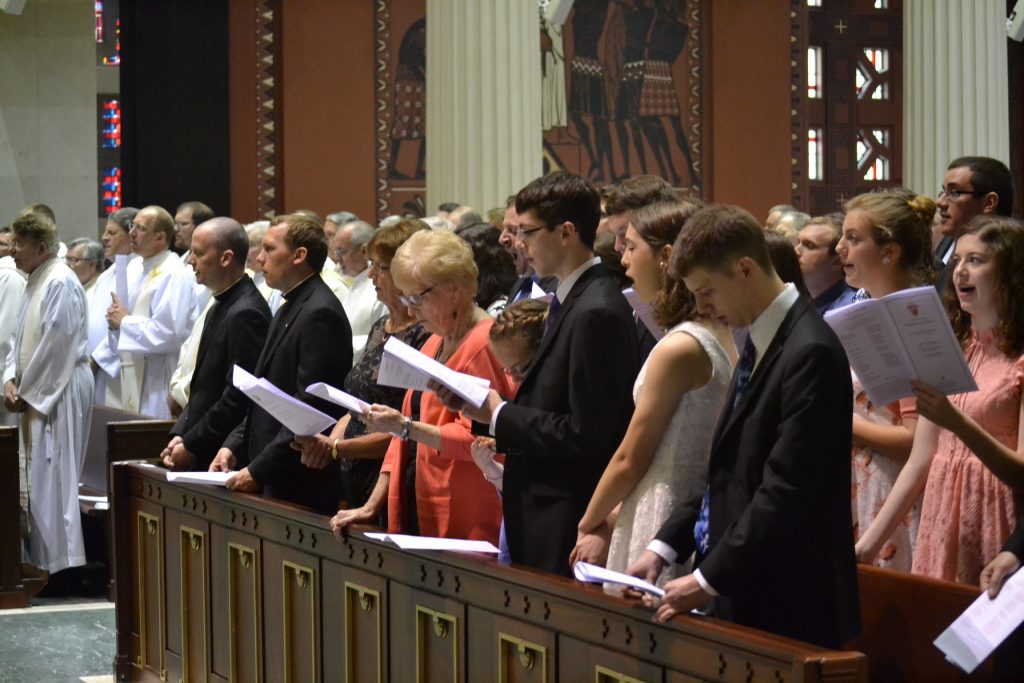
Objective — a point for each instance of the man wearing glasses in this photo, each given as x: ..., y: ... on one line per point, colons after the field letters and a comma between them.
x: 575, y: 400
x: 972, y: 186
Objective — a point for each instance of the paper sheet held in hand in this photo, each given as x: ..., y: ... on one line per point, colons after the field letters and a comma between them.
x: 984, y: 625
x: 406, y: 542
x: 300, y: 418
x: 406, y: 368
x: 903, y: 336
x: 335, y: 395
x: 645, y: 312
x: 211, y: 478
x: 591, y: 573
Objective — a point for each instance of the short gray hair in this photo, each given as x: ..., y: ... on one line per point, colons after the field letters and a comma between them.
x: 257, y: 230
x: 361, y: 233
x: 124, y: 217
x: 93, y: 250
x: 340, y: 218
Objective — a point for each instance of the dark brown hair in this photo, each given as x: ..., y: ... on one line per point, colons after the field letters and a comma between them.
x: 715, y: 238
x: 386, y: 241
x: 1005, y: 237
x: 660, y: 224
x: 559, y: 197
x: 636, y: 192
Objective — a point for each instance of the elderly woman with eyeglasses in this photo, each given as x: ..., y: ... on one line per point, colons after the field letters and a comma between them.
x: 429, y: 479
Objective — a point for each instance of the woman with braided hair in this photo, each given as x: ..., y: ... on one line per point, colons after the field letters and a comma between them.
x: 663, y: 459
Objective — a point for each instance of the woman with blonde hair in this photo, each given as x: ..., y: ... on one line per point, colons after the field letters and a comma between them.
x: 885, y: 247
x: 431, y: 483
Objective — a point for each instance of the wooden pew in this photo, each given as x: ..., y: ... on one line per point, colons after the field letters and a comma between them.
x: 218, y: 586
x: 901, y: 616
x: 12, y: 589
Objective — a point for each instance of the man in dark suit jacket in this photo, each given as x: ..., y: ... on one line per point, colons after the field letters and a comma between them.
x: 1009, y: 665
x: 522, y: 288
x: 972, y: 186
x: 774, y: 536
x: 575, y: 401
x: 233, y: 333
x: 309, y: 341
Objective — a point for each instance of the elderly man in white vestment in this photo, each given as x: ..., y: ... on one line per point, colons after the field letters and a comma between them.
x: 148, y: 330
x: 12, y: 286
x: 363, y: 308
x: 47, y: 380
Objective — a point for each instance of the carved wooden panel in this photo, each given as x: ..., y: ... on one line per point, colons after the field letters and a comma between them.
x: 525, y: 653
x: 291, y: 598
x: 430, y: 631
x: 187, y: 544
x: 602, y: 665
x: 237, y: 637
x: 356, y: 619
x: 148, y: 581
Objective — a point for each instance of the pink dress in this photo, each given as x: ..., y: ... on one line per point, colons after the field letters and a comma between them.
x: 873, y: 476
x: 968, y: 513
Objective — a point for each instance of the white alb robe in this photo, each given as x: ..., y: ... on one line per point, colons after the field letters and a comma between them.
x: 363, y: 309
x: 12, y: 288
x: 108, y: 377
x: 49, y: 364
x: 181, y: 379
x: 161, y: 297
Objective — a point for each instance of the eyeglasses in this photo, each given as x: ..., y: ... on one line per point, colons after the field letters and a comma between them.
x: 522, y: 233
x: 342, y: 253
x: 414, y: 300
x: 957, y: 194
x: 72, y: 261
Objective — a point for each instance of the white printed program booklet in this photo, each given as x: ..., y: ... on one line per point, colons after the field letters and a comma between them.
x: 901, y: 337
x: 406, y: 542
x: 341, y: 398
x: 645, y: 312
x: 406, y: 368
x: 211, y: 478
x: 592, y: 573
x: 984, y: 625
x: 300, y: 418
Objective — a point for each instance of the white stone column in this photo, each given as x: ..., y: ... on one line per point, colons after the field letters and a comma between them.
x: 955, y: 86
x: 483, y: 100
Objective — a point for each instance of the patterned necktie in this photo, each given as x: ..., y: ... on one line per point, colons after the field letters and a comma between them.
x: 744, y: 369
x: 552, y: 312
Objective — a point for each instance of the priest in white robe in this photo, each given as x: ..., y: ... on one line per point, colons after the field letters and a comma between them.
x: 12, y: 287
x: 48, y: 383
x: 361, y: 304
x: 107, y: 370
x: 149, y: 329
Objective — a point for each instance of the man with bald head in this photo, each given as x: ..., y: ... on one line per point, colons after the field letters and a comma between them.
x: 233, y: 333
x: 147, y: 331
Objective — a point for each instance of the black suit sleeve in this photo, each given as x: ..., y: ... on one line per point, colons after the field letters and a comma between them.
x: 246, y: 333
x: 598, y: 374
x: 815, y: 395
x: 1015, y: 544
x: 324, y: 354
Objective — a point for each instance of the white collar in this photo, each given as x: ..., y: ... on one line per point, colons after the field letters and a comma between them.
x: 565, y: 286
x: 766, y: 326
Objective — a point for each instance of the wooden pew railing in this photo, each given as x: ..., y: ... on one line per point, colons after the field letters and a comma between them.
x: 12, y: 589
x: 218, y: 586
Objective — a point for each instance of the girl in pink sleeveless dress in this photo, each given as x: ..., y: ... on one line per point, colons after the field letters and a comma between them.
x: 968, y: 454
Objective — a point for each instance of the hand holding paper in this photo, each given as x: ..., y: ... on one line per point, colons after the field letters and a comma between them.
x: 300, y: 418
x: 591, y: 573
x: 406, y: 368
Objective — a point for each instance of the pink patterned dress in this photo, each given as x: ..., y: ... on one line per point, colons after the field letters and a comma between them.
x: 968, y: 513
x: 874, y: 474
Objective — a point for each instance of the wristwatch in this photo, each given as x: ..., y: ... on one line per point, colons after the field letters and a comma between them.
x: 406, y: 428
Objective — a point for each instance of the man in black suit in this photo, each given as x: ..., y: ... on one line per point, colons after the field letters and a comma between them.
x: 233, y: 333
x: 522, y: 288
x: 773, y: 535
x: 1009, y: 665
x: 972, y: 186
x: 575, y: 400
x: 309, y: 341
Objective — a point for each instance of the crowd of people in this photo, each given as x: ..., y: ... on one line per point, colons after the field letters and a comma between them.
x: 665, y: 397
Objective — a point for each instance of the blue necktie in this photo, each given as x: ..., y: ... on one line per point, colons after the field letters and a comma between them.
x: 744, y: 369
x: 552, y: 312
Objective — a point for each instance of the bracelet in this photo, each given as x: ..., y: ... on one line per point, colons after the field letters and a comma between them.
x: 334, y: 449
x: 406, y: 429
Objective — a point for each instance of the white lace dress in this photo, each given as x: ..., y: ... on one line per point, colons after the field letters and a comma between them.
x: 679, y: 469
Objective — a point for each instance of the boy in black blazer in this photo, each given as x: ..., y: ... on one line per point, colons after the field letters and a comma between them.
x: 774, y: 536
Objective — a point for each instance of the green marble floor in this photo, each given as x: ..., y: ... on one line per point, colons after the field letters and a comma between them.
x: 67, y: 642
